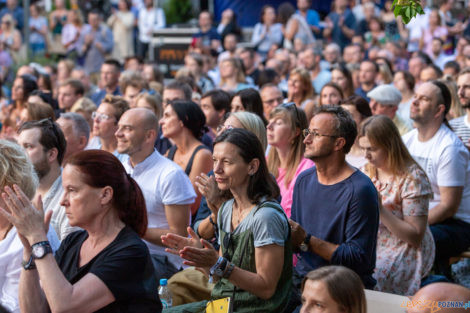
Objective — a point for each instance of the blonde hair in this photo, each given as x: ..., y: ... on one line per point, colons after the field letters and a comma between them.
x: 15, y: 168
x: 297, y: 120
x: 155, y: 101
x: 84, y: 105
x: 382, y: 132
x: 456, y: 109
x: 304, y: 75
x: 237, y: 64
x: 252, y: 122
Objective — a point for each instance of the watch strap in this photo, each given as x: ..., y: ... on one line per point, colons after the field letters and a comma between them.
x: 29, y: 265
x: 47, y: 249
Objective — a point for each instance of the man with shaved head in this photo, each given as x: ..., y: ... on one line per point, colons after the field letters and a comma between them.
x: 442, y: 295
x: 167, y: 190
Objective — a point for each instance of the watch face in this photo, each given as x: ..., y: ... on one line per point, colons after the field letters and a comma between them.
x: 38, y: 251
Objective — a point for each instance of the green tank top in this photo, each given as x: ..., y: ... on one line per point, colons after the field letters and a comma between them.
x: 242, y: 254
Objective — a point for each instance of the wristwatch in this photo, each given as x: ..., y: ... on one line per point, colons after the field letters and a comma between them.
x: 219, y: 271
x: 304, y: 245
x: 40, y: 249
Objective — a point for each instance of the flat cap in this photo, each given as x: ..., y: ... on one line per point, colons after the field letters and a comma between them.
x: 385, y: 95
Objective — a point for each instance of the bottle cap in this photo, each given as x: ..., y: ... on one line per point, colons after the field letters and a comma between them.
x: 163, y: 282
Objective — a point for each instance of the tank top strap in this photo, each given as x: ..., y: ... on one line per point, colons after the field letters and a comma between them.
x: 191, y: 159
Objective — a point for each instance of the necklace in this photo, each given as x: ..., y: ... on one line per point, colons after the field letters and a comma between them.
x: 240, y: 214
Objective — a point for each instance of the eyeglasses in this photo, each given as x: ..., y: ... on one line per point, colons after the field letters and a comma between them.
x: 289, y: 105
x: 315, y: 134
x: 100, y: 116
x: 224, y: 127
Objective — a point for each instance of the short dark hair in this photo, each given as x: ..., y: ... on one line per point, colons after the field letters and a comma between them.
x: 261, y: 184
x: 376, y: 66
x: 345, y: 125
x: 113, y: 62
x: 453, y: 65
x: 436, y: 70
x: 191, y: 115
x: 220, y: 99
x: 361, y: 105
x: 51, y: 136
x: 181, y: 86
x: 444, y: 96
x: 76, y: 85
x: 267, y: 76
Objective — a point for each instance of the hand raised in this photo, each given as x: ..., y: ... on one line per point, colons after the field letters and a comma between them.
x: 28, y: 220
x: 175, y: 242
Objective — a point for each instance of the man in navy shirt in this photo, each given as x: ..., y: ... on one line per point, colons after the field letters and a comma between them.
x: 335, y: 212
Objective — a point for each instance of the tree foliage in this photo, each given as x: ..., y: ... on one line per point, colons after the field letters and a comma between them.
x: 407, y: 9
x: 178, y: 11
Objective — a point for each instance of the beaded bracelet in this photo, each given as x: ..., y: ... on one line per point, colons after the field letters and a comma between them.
x: 228, y: 270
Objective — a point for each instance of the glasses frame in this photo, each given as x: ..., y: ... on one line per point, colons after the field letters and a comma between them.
x: 306, y: 132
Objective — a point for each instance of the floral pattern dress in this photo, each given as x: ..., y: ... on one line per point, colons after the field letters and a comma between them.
x: 400, y: 266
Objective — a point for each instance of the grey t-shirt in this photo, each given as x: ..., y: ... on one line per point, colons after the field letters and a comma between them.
x: 269, y: 226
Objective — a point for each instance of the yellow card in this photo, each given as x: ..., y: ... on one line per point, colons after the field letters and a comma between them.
x: 223, y: 305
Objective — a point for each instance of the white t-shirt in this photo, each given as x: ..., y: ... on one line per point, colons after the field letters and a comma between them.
x: 446, y: 163
x: 163, y: 182
x: 11, y: 256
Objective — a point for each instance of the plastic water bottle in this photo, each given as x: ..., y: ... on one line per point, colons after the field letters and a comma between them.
x: 165, y: 294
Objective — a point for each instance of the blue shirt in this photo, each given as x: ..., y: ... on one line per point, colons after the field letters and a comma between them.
x: 337, y: 34
x: 99, y: 95
x: 313, y: 18
x: 346, y: 214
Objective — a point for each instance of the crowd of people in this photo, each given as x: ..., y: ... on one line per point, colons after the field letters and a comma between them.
x: 325, y: 156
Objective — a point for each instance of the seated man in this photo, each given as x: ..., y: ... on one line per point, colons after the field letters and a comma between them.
x: 446, y: 161
x: 335, y: 209
x: 167, y: 189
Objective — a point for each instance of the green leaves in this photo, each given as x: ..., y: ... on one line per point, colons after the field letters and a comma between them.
x: 407, y: 9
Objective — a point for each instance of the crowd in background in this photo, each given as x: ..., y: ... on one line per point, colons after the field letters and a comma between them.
x: 323, y: 155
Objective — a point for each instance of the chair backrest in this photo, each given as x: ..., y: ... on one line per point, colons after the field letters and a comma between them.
x: 380, y: 302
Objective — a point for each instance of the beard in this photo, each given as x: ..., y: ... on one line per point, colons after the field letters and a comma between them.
x: 42, y: 168
x: 465, y: 104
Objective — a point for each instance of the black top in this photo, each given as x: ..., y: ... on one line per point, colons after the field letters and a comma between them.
x: 171, y: 156
x: 124, y: 266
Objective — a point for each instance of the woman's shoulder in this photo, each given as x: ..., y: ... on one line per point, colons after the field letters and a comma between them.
x: 415, y: 182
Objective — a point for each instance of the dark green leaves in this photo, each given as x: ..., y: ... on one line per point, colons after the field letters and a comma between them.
x: 407, y: 9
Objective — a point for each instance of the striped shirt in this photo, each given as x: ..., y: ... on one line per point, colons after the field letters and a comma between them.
x: 461, y: 128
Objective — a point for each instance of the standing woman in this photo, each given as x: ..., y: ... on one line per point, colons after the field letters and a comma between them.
x: 405, y: 247
x: 10, y: 37
x: 300, y: 90
x: 183, y: 123
x: 105, y: 266
x: 254, y: 264
x: 122, y: 24
x: 286, y: 156
x: 38, y: 29
x: 267, y: 32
